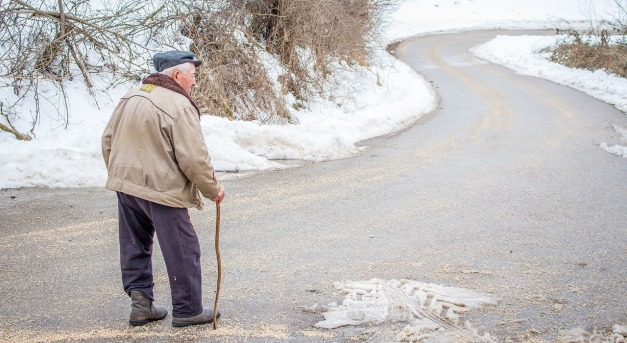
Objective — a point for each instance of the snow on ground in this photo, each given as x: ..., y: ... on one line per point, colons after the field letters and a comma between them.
x: 412, y: 311
x: 617, y: 149
x: 415, y: 310
x: 384, y: 99
x: 617, y: 335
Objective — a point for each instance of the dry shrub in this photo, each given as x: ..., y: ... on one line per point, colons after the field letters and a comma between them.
x: 584, y: 53
x: 304, y: 33
x: 597, y: 50
x: 232, y: 82
x: 305, y: 36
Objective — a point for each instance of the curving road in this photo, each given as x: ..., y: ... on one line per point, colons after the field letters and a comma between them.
x: 503, y: 189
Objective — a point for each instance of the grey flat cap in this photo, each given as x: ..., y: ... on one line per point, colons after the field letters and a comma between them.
x: 165, y: 60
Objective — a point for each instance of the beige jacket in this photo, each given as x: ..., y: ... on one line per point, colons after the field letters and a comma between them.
x: 154, y: 149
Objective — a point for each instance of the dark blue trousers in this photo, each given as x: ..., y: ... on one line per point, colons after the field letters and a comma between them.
x: 139, y: 219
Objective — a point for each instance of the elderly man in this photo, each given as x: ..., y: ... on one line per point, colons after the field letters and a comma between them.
x: 158, y: 164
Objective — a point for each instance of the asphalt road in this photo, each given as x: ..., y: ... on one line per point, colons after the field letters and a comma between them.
x: 503, y: 189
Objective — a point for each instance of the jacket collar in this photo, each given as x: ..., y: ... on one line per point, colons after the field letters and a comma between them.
x: 165, y: 81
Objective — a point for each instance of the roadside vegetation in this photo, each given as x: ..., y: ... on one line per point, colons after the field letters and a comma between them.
x: 593, y: 52
x: 603, y: 48
x: 263, y: 58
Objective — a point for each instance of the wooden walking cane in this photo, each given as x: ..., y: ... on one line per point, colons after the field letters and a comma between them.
x: 215, y: 304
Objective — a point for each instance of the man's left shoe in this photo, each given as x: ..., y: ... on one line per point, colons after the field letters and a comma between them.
x: 205, y: 317
x: 143, y: 310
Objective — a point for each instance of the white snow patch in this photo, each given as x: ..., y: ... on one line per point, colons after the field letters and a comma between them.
x: 416, y: 310
x: 617, y: 150
x: 577, y: 335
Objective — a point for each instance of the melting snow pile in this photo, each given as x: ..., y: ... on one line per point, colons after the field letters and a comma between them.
x: 618, y: 335
x: 618, y: 150
x: 425, y: 312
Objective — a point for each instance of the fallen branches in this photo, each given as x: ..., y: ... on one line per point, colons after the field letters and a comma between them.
x: 9, y: 127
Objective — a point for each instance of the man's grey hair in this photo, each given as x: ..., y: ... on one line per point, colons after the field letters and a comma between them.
x: 183, y: 68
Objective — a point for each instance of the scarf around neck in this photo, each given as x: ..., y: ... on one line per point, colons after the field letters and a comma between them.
x: 165, y: 81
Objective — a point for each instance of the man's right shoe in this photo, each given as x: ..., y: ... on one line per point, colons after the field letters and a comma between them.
x: 143, y: 310
x: 205, y: 317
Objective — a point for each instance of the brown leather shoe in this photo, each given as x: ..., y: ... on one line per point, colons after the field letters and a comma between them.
x: 205, y: 317
x: 143, y: 310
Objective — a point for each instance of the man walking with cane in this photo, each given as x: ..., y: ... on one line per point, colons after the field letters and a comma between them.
x: 158, y: 163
